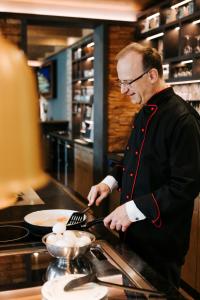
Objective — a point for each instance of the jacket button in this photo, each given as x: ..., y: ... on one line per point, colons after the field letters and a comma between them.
x: 127, y: 148
x: 124, y: 169
x: 131, y: 174
x: 133, y: 126
x: 142, y: 129
x: 136, y: 152
x: 127, y: 196
x: 119, y: 189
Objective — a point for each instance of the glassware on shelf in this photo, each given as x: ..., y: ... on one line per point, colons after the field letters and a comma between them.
x: 197, y: 48
x: 187, y: 49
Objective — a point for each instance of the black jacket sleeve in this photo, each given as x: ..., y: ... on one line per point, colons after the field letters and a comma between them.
x: 117, y: 173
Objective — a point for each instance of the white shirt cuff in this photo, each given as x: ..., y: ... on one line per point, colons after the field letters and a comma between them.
x: 134, y: 214
x: 111, y: 182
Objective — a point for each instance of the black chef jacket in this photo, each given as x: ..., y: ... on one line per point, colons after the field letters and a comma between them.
x: 161, y: 173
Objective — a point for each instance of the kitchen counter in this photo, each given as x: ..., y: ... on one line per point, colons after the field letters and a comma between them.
x: 62, y: 135
x: 55, y: 196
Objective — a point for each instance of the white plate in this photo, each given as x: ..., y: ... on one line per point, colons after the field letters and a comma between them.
x: 48, y: 217
x: 54, y: 289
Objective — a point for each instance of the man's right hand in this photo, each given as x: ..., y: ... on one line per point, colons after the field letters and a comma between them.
x: 97, y: 193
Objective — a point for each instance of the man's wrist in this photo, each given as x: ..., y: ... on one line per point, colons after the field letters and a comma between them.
x: 111, y: 182
x: 134, y: 214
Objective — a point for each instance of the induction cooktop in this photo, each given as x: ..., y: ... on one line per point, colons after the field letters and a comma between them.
x: 17, y: 236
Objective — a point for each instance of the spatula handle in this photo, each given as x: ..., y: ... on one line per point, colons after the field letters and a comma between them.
x: 91, y: 223
x: 85, y: 210
x: 146, y: 292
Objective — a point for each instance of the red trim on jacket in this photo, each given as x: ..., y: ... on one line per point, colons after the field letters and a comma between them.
x: 140, y: 152
x: 158, y: 214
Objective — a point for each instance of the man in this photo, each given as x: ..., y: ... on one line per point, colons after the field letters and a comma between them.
x: 160, y: 173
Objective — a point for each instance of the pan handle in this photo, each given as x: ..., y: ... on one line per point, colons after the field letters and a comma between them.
x: 91, y: 223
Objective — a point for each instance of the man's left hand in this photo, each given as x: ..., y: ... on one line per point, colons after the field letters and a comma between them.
x: 118, y: 219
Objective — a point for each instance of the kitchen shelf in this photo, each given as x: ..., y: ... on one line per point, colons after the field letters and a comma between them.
x: 183, y: 79
x: 182, y: 58
x: 180, y: 41
x: 82, y: 78
x: 83, y: 58
x: 83, y: 88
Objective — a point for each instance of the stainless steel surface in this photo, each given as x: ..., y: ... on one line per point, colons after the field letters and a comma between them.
x: 93, y: 278
x: 131, y: 273
x: 69, y: 253
x: 60, y: 267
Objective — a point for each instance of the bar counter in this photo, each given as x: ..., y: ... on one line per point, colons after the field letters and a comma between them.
x: 55, y: 196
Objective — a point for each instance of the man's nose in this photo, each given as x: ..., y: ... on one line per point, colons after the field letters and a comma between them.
x: 124, y: 89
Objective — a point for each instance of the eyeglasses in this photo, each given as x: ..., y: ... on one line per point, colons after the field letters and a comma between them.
x: 128, y: 83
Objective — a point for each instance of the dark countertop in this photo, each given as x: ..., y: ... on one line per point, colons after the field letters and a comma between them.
x: 84, y: 143
x: 62, y: 135
x: 67, y: 136
x: 55, y: 196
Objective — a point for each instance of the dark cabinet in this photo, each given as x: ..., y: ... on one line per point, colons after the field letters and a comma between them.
x: 62, y: 163
x: 65, y: 163
x: 59, y: 159
x: 69, y: 148
x: 53, y: 156
x: 83, y: 169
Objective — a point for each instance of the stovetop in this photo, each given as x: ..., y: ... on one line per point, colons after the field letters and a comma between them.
x: 16, y: 235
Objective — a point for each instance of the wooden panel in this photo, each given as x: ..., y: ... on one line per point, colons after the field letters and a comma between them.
x: 84, y: 154
x: 190, y: 270
x: 120, y: 110
x: 198, y: 249
x: 14, y: 265
x: 83, y: 170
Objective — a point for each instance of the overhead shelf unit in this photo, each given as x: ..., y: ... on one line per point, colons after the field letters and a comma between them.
x: 83, y: 88
x: 173, y: 28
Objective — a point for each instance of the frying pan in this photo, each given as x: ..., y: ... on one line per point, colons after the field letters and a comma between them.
x: 41, y: 222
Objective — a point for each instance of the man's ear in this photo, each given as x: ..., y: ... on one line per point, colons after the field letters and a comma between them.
x: 153, y: 75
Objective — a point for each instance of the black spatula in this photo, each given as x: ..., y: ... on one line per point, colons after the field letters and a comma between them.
x: 78, y: 216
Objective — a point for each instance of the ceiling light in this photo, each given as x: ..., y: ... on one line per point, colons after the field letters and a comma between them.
x: 184, y: 82
x: 90, y: 44
x: 90, y: 58
x: 153, y: 16
x: 187, y: 61
x: 34, y: 63
x: 196, y: 22
x: 155, y: 36
x: 180, y: 3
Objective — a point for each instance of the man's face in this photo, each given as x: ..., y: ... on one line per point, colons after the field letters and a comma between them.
x: 130, y: 67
